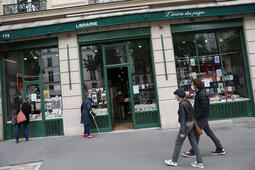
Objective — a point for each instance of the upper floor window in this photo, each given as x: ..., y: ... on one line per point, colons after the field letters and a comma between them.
x: 24, y: 6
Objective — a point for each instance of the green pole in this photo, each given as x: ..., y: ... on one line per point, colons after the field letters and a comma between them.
x: 164, y: 55
x: 69, y: 71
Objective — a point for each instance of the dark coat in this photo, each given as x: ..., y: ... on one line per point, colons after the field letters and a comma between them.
x: 185, y: 114
x: 26, y: 109
x: 201, y: 105
x: 86, y: 107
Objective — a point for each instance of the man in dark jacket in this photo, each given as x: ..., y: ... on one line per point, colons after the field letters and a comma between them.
x: 201, y: 112
x: 86, y: 117
x: 26, y: 109
x: 186, y: 129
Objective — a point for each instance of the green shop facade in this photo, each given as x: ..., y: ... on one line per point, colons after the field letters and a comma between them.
x: 136, y: 63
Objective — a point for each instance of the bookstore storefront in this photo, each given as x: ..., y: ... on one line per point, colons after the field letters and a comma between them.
x: 120, y: 66
x: 31, y: 70
x: 218, y: 57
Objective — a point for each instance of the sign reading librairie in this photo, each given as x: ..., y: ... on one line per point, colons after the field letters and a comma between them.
x: 127, y: 19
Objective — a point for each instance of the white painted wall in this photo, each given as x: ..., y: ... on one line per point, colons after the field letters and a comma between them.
x: 167, y: 104
x: 72, y: 99
x: 249, y: 29
x: 51, y: 4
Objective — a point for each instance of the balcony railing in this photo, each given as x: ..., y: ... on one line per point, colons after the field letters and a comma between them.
x: 103, y: 1
x: 25, y: 7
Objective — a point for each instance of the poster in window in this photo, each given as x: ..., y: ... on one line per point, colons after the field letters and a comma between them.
x: 46, y: 94
x: 216, y: 59
x: 219, y: 72
x: 220, y: 85
x: 206, y: 82
x: 194, y: 75
x: 136, y: 89
x: 33, y: 97
x: 192, y: 62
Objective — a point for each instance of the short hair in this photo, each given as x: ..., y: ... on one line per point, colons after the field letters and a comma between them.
x: 198, y: 83
x: 27, y: 99
x: 87, y: 94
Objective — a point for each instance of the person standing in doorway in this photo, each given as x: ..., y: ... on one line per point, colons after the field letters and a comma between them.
x: 26, y: 109
x: 86, y: 117
x: 201, y: 112
x: 186, y: 129
x: 120, y: 105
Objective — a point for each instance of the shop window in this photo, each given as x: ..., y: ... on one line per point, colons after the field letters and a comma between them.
x: 51, y: 83
x: 216, y: 58
x: 141, y: 67
x: 13, y: 83
x: 93, y: 76
x: 115, y: 54
x: 32, y: 69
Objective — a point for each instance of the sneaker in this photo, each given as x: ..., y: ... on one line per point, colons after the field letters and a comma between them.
x: 170, y: 163
x: 196, y: 165
x: 219, y: 152
x: 17, y: 141
x: 85, y: 135
x: 91, y: 136
x: 27, y: 139
x: 188, y: 155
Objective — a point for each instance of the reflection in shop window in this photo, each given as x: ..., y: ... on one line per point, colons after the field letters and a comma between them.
x: 13, y: 83
x: 93, y: 72
x: 142, y: 75
x: 51, y: 83
x: 198, y: 56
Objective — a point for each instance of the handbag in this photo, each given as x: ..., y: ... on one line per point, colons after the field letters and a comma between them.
x: 21, y: 116
x: 197, y: 129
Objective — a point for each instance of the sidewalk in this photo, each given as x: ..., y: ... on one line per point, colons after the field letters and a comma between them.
x: 134, y: 150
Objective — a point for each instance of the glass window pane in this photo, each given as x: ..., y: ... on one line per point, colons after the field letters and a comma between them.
x: 142, y: 75
x: 33, y: 93
x: 187, y: 62
x: 32, y: 68
x: 115, y: 54
x: 93, y: 72
x: 13, y: 83
x: 233, y: 63
x: 210, y: 67
x: 51, y: 83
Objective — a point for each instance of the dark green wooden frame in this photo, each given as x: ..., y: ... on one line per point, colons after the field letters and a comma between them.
x: 226, y: 109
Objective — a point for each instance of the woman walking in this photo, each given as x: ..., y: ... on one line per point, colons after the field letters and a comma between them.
x: 186, y: 129
x: 201, y: 113
x: 26, y: 109
x: 86, y: 117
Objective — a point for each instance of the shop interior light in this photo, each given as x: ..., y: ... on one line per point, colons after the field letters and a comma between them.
x: 140, y: 46
x: 206, y: 41
x: 183, y: 42
x: 95, y: 51
x: 11, y: 61
x: 221, y: 40
x: 35, y: 57
x: 25, y: 58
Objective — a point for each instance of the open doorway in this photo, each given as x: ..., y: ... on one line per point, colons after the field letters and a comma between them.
x: 119, y: 94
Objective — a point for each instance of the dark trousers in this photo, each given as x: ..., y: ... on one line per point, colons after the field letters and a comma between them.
x: 204, y: 125
x: 25, y: 126
x: 179, y: 141
x: 87, y: 129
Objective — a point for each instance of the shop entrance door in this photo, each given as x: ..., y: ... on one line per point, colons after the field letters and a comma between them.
x: 119, y: 96
x: 34, y: 92
x: 118, y: 82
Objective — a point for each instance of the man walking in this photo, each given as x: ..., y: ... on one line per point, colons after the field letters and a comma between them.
x: 201, y: 112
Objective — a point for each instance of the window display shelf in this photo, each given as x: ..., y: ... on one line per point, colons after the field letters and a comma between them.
x: 145, y: 107
x: 100, y: 112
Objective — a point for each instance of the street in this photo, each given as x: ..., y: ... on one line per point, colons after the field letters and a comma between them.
x: 144, y: 149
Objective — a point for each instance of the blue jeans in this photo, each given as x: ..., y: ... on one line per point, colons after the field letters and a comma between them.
x: 87, y: 129
x: 25, y: 126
